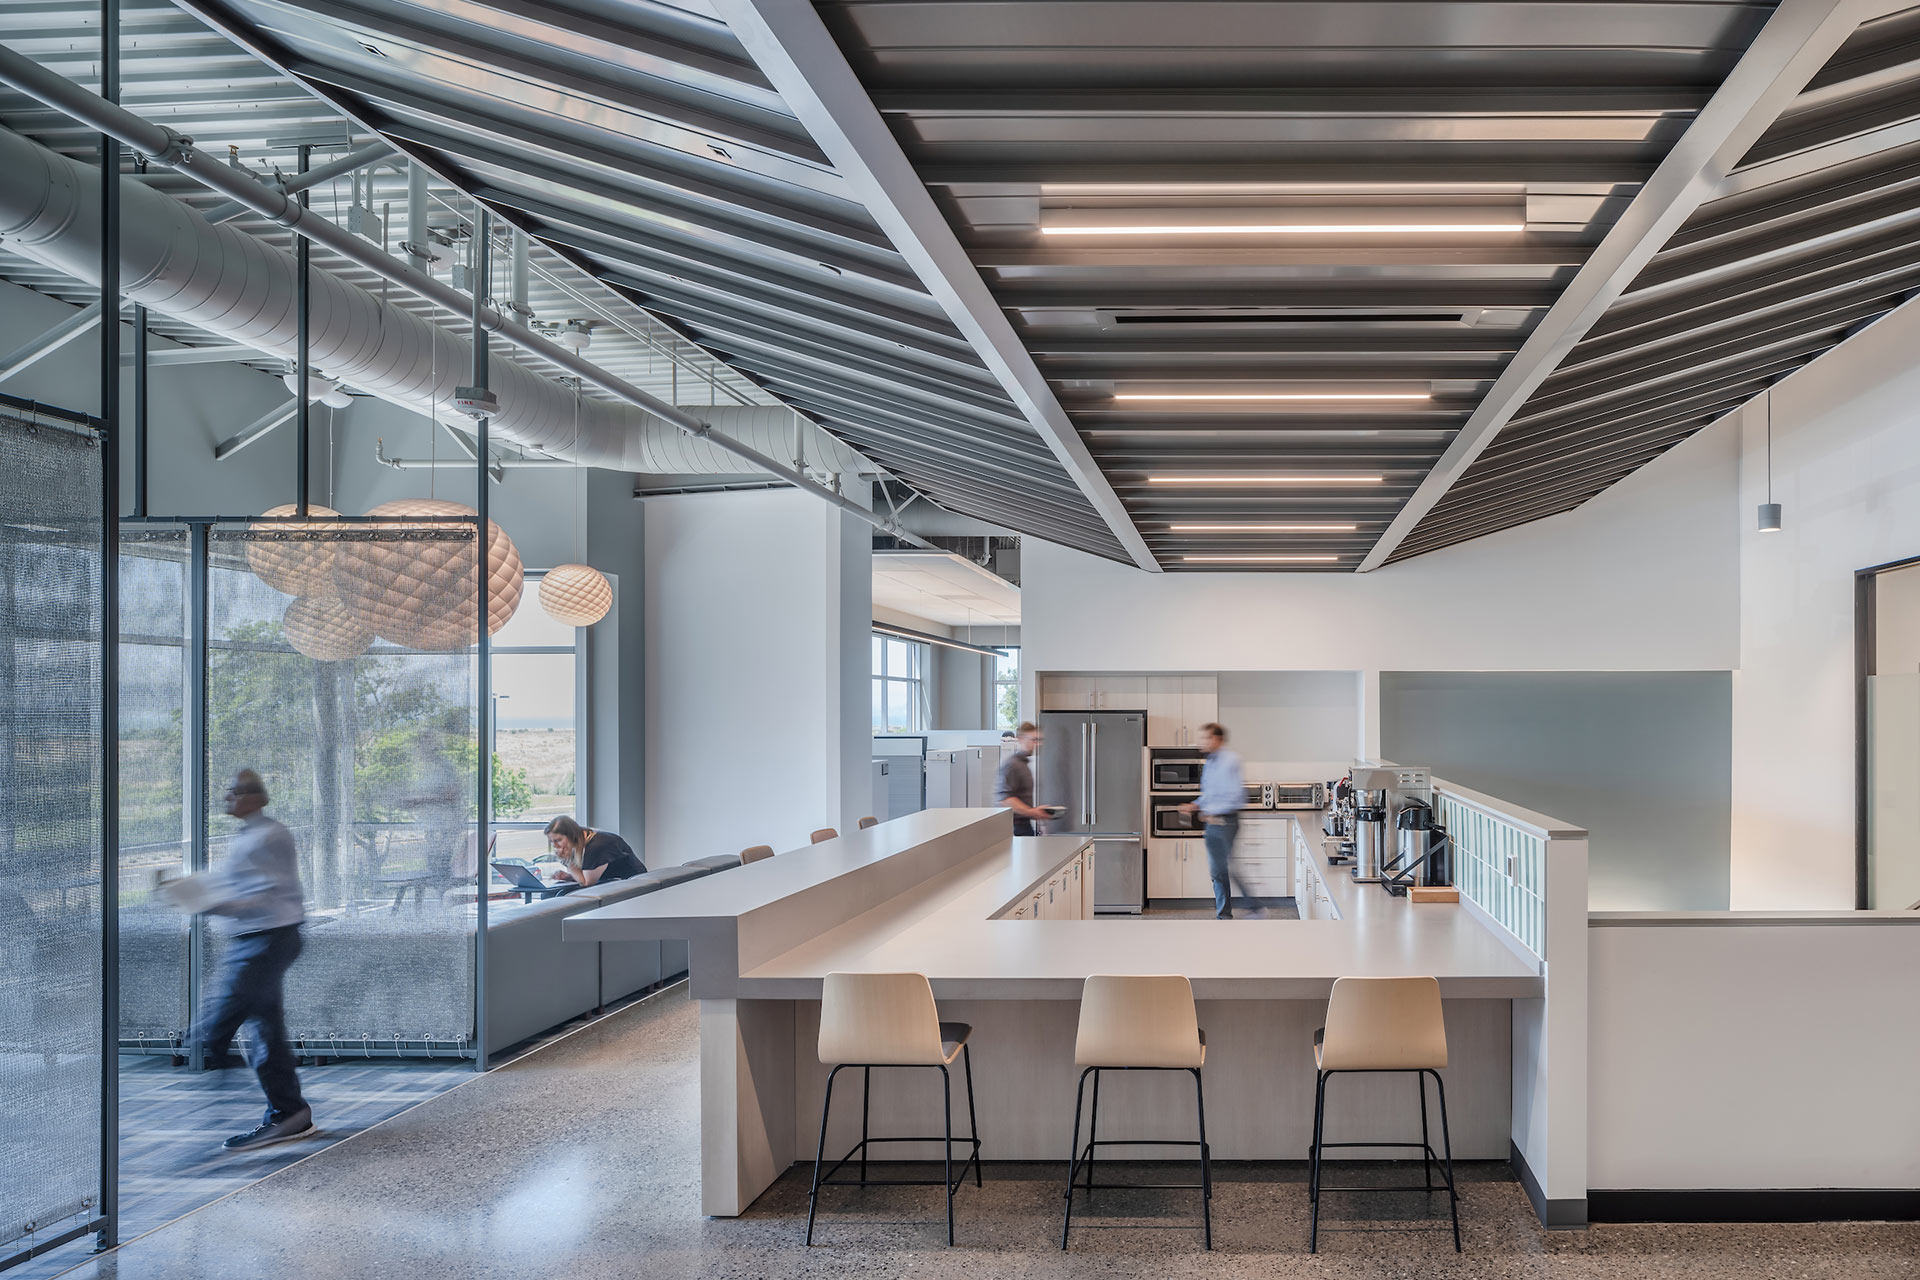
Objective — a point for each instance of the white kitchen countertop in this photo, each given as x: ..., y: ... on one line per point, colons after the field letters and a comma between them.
x: 941, y: 926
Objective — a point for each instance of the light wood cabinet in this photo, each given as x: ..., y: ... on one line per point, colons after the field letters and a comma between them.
x: 1196, y: 879
x: 1164, y: 865
x: 1093, y: 693
x: 1177, y: 706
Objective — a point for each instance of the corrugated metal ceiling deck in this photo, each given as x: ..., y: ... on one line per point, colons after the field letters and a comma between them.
x: 1020, y: 116
x: 639, y: 141
x: 1816, y: 234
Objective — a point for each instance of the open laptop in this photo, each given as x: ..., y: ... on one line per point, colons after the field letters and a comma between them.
x: 520, y: 874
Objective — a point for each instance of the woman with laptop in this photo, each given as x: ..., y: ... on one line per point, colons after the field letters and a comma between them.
x: 590, y: 857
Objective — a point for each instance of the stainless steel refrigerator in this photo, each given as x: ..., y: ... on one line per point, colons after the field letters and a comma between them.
x: 1091, y: 764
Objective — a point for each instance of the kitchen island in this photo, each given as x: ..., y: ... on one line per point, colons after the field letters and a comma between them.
x: 932, y: 893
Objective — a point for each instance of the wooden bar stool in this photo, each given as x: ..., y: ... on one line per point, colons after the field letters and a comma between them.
x: 822, y: 835
x: 1374, y: 1025
x: 870, y: 1020
x: 1138, y: 1024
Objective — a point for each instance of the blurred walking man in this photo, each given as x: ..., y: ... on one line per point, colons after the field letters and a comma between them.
x: 1222, y: 795
x: 257, y: 890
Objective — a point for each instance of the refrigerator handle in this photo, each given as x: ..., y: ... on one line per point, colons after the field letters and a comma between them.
x: 1093, y: 787
x: 1084, y: 819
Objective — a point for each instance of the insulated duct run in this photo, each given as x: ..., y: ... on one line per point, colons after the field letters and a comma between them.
x: 236, y: 287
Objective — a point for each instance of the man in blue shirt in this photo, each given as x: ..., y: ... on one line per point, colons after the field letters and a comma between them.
x: 1223, y: 793
x: 257, y: 890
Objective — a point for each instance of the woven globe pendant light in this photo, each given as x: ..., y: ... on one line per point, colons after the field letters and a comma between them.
x: 420, y: 593
x: 324, y: 630
x: 289, y: 558
x: 578, y: 595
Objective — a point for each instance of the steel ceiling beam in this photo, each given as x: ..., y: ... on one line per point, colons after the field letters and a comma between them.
x: 795, y: 51
x: 1813, y: 160
x: 1790, y: 50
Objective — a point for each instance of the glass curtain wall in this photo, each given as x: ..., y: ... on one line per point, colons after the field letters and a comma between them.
x: 51, y: 827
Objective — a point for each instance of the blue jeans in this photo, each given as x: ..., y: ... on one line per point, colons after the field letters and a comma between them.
x: 252, y: 989
x: 1219, y: 840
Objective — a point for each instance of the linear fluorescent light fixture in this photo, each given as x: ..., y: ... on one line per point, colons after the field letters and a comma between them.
x: 1295, y: 478
x: 1167, y: 396
x: 1259, y: 559
x: 1290, y: 229
x: 1261, y: 528
x: 923, y: 637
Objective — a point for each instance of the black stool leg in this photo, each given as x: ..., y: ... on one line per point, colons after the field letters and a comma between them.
x: 946, y: 1087
x: 1446, y: 1149
x: 1313, y: 1172
x: 1426, y: 1146
x: 1093, y: 1133
x: 866, y: 1096
x: 819, y: 1153
x: 1206, y: 1160
x: 973, y: 1120
x: 1073, y: 1155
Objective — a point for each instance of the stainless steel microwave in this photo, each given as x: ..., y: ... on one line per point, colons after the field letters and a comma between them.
x: 1298, y: 795
x: 1174, y: 770
x: 1169, y: 822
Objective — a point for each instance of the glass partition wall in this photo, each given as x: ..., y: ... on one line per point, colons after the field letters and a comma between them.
x: 367, y: 745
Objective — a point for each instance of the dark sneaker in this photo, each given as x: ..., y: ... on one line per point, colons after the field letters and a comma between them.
x: 297, y: 1125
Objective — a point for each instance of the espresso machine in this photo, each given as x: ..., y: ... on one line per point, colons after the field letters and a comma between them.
x: 1338, y: 822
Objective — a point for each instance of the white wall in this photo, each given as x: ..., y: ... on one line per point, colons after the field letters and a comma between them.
x: 1641, y: 578
x: 758, y: 724
x: 1846, y: 469
x: 1782, y: 1058
x: 1291, y: 718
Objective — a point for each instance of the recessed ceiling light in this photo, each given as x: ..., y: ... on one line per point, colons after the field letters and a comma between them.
x: 1261, y: 528
x: 1267, y: 479
x: 1292, y: 229
x: 1272, y: 395
x: 1259, y: 559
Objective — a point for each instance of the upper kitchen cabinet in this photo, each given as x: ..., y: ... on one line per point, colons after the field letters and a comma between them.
x: 1177, y: 706
x: 1101, y: 692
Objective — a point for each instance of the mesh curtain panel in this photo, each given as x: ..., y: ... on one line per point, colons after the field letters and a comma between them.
x: 154, y: 836
x: 50, y: 828
x: 367, y: 746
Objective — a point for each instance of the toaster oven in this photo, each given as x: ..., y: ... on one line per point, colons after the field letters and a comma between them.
x: 1259, y: 796
x: 1298, y: 795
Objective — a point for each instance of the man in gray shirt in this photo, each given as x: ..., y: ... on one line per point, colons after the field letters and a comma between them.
x: 256, y: 891
x: 1013, y: 788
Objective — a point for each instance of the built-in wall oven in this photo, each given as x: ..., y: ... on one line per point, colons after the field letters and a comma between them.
x: 1298, y: 795
x: 1170, y: 822
x: 1174, y: 770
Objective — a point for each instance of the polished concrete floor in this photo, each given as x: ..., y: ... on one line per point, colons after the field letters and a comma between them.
x: 581, y: 1161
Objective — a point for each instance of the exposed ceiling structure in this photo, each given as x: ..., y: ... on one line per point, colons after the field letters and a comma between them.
x: 1282, y: 285
x: 1269, y: 257
x: 177, y: 72
x: 1814, y: 235
x: 945, y: 588
x: 640, y: 143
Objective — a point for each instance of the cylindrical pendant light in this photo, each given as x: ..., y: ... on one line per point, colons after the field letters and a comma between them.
x: 1769, y: 510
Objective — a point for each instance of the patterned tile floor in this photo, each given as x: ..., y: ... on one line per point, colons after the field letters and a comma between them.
x: 172, y: 1122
